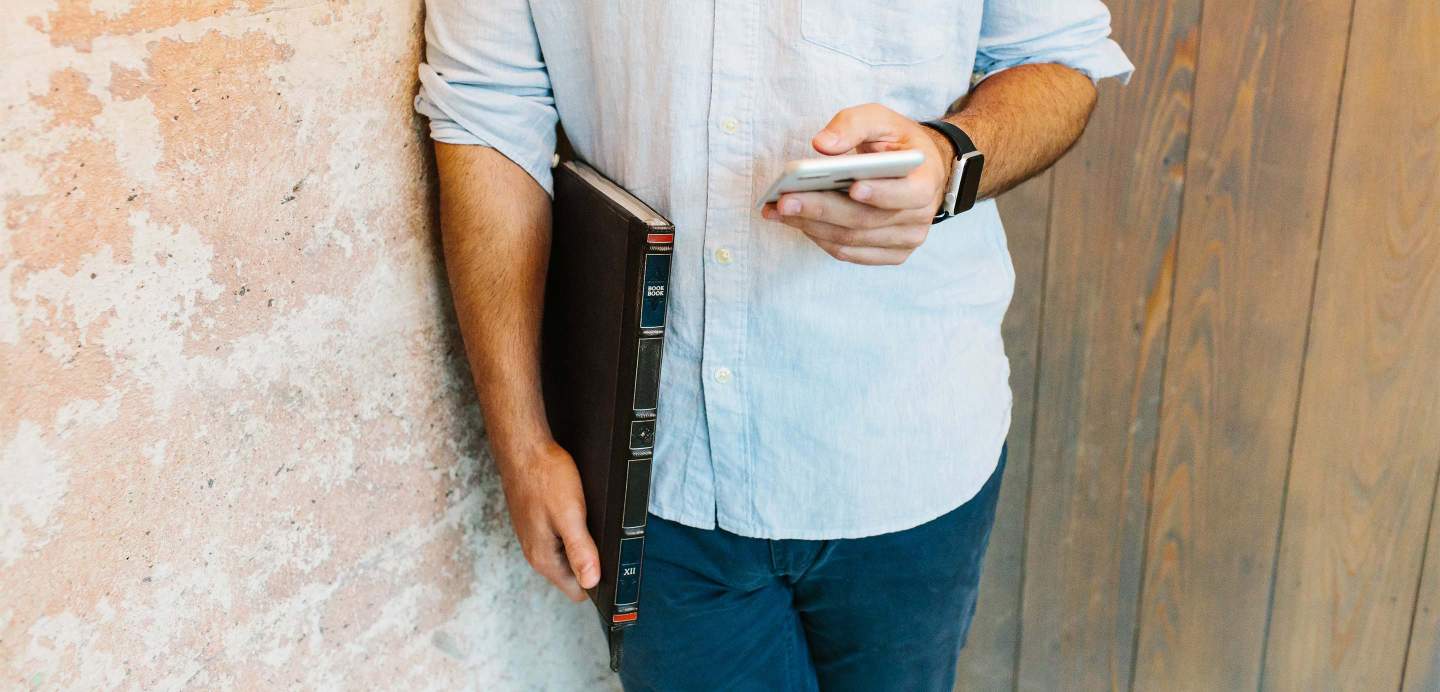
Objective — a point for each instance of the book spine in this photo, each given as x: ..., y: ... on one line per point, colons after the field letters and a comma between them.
x: 654, y: 288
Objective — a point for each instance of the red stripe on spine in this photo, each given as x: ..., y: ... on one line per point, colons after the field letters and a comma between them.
x: 625, y: 617
x: 660, y: 237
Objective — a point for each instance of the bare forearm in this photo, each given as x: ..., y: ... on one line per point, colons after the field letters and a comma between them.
x: 495, y: 220
x: 1024, y: 119
x: 495, y: 223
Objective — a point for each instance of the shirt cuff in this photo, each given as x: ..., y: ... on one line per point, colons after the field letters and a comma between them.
x: 1097, y: 61
x: 531, y: 151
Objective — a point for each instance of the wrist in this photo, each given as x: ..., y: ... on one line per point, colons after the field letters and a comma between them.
x: 966, y: 165
x: 943, y: 146
x: 516, y: 434
x: 945, y: 151
x: 517, y: 446
x: 983, y: 133
x: 976, y: 127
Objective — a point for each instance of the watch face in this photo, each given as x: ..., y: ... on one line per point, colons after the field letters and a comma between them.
x: 973, y: 163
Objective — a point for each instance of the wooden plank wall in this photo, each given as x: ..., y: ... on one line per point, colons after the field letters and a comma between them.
x: 989, y: 655
x: 1225, y: 351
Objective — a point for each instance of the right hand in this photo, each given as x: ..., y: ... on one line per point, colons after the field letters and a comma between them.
x: 547, y: 507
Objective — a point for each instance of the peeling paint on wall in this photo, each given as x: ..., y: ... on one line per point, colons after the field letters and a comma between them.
x: 237, y: 439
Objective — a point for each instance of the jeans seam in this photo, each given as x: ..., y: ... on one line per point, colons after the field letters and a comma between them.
x: 793, y: 661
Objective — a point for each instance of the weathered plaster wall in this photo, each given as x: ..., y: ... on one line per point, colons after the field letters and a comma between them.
x: 238, y: 447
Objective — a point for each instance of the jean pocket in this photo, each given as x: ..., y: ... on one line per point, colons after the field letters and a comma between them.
x: 897, y: 32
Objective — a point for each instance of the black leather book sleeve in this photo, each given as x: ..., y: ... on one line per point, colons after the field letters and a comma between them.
x: 603, y: 336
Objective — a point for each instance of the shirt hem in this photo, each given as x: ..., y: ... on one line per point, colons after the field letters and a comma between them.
x: 779, y: 533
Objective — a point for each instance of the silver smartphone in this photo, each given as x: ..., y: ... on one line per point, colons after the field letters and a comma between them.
x: 837, y: 172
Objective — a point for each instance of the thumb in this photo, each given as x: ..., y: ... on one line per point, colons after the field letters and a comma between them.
x: 581, y: 552
x: 856, y: 125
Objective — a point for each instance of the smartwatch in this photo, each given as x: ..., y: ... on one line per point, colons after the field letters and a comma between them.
x: 964, y: 182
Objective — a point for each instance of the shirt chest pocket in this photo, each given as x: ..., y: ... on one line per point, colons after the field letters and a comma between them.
x: 897, y: 32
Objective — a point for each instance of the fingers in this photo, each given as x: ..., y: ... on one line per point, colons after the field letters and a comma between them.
x: 569, y: 559
x: 914, y: 191
x: 834, y: 208
x: 547, y: 505
x: 905, y: 238
x: 850, y: 231
x: 853, y: 126
x: 886, y: 245
x: 878, y: 221
x: 863, y: 255
x: 580, y: 550
x: 549, y: 560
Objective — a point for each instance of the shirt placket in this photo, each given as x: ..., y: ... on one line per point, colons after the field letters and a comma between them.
x: 726, y: 261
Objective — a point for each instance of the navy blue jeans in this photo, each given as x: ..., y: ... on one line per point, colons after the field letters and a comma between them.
x: 887, y: 612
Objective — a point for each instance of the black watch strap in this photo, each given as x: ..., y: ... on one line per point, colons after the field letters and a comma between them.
x: 964, y: 181
x: 958, y: 139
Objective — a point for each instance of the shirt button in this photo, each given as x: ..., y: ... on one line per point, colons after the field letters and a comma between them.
x: 723, y: 255
x: 722, y: 375
x: 729, y: 125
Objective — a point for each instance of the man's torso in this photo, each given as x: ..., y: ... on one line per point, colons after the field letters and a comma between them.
x: 801, y: 397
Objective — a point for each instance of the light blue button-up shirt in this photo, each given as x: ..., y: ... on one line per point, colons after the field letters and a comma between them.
x: 801, y: 396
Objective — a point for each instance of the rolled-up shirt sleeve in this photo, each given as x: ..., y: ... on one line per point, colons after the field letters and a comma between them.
x: 1074, y: 33
x: 484, y: 81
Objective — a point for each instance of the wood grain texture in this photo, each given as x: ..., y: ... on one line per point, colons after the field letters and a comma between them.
x: 1422, y: 662
x: 1115, y: 208
x: 1266, y: 95
x: 1367, y: 441
x: 988, y: 660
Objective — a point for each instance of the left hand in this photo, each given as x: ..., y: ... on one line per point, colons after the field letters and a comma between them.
x: 876, y: 221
